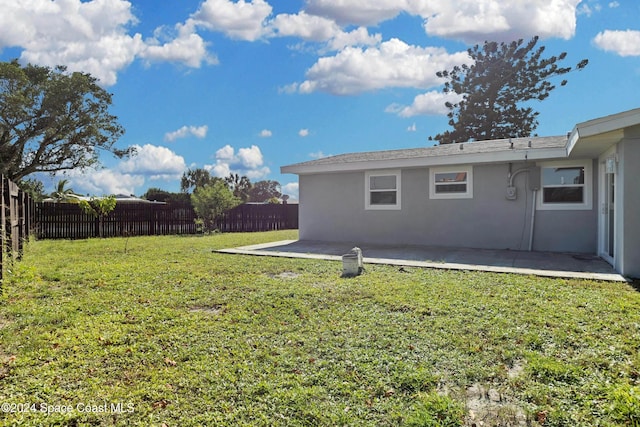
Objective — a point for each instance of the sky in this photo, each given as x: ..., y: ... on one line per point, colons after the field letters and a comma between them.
x: 247, y: 86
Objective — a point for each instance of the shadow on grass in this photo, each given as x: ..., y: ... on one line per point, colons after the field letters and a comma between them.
x: 635, y: 284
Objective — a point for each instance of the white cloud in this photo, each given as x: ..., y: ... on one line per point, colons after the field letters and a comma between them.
x: 587, y: 10
x: 477, y: 20
x: 614, y: 4
x: 240, y: 20
x: 358, y: 37
x: 93, y: 36
x: 154, y: 162
x: 86, y: 36
x: 185, y: 131
x: 319, y: 29
x: 150, y: 162
x: 624, y: 43
x: 247, y: 161
x: 359, y: 12
x: 305, y: 26
x: 393, y: 64
x: 187, y: 47
x: 318, y: 155
x: 303, y: 132
x: 250, y: 158
x: 473, y: 21
x: 292, y: 189
x: 430, y: 103
x: 412, y: 128
x: 265, y: 133
x: 101, y: 182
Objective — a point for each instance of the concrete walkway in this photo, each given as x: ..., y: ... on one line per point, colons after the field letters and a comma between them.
x: 549, y: 264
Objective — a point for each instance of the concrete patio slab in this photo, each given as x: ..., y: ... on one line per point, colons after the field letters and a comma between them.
x: 548, y: 264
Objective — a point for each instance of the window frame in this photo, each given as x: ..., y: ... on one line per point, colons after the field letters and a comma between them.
x: 367, y: 193
x: 587, y: 186
x: 468, y: 194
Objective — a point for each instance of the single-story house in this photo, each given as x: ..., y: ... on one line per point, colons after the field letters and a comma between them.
x: 578, y: 192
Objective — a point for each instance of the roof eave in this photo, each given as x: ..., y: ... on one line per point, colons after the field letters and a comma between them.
x: 517, y: 155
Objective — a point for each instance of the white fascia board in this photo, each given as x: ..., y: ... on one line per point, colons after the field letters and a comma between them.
x: 574, y: 137
x: 608, y: 123
x: 458, y: 159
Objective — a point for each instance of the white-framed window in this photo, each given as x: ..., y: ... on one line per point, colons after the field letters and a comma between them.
x: 382, y: 190
x: 566, y: 185
x: 455, y: 182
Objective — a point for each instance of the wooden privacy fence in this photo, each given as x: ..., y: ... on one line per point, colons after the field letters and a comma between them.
x: 259, y: 217
x: 69, y: 221
x: 16, y: 222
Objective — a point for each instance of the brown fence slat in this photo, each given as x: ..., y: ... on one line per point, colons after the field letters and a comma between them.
x: 16, y: 222
x: 68, y: 221
x: 259, y: 217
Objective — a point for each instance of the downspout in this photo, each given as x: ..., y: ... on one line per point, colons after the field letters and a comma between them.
x: 533, y: 219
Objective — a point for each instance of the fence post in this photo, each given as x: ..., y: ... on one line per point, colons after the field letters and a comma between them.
x: 2, y: 226
x: 14, y: 222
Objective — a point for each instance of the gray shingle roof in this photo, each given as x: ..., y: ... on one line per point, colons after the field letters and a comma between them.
x: 465, y: 152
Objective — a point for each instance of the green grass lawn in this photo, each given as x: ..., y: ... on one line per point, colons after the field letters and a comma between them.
x: 171, y: 333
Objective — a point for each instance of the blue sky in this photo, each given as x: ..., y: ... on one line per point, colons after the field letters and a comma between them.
x: 249, y: 86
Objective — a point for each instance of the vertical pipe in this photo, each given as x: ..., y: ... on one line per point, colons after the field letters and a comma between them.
x: 533, y: 219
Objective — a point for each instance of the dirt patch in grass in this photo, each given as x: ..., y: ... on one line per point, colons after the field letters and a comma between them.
x: 486, y: 406
x: 516, y: 369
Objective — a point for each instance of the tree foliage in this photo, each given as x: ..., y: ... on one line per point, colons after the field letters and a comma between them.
x: 99, y: 207
x: 159, y: 195
x: 193, y: 179
x: 263, y: 191
x: 496, y: 89
x: 51, y: 120
x: 34, y: 187
x: 62, y: 193
x: 211, y: 200
x: 240, y: 186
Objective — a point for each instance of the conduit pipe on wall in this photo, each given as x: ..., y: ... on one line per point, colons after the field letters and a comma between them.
x: 533, y: 219
x: 513, y: 175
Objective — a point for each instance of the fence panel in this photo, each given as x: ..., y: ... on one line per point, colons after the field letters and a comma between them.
x: 16, y: 211
x: 259, y: 217
x: 69, y: 221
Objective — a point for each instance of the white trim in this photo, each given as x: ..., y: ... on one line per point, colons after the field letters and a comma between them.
x: 367, y: 190
x: 602, y: 182
x: 608, y: 123
x: 468, y: 194
x: 574, y: 137
x: 587, y: 203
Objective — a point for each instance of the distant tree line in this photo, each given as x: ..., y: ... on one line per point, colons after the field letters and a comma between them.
x: 210, y: 196
x: 241, y: 187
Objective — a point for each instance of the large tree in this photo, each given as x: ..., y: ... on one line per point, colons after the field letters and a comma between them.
x: 52, y: 120
x: 265, y: 190
x: 496, y: 90
x: 240, y: 186
x: 193, y: 179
